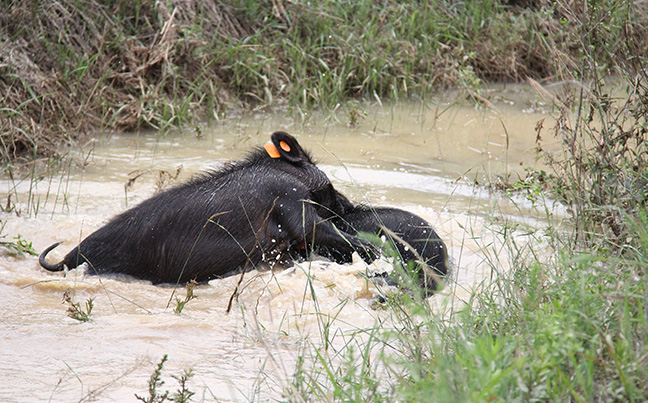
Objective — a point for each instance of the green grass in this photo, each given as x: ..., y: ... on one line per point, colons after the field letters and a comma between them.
x: 180, y: 303
x: 18, y: 247
x: 75, y: 310
x: 155, y: 383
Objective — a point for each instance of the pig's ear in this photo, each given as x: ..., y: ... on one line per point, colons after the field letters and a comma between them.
x: 288, y: 148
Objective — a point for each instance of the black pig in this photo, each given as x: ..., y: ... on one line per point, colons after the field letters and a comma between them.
x: 412, y: 229
x: 221, y: 222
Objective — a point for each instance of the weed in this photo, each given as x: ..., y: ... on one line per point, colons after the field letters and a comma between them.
x: 18, y: 247
x: 154, y: 383
x: 180, y: 303
x: 182, y: 395
x: 75, y: 310
x: 356, y: 114
x: 602, y: 171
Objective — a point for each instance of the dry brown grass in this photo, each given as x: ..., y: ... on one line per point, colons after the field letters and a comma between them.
x: 68, y: 67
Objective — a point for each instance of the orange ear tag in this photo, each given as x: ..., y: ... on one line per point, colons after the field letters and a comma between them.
x: 284, y: 146
x: 272, y: 151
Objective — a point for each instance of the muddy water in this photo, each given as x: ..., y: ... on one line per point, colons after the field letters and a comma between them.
x: 423, y: 158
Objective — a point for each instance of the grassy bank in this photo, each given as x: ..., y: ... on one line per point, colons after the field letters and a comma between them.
x: 68, y: 68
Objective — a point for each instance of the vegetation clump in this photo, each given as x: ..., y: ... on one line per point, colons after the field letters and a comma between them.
x: 75, y: 310
x: 181, y: 395
x: 18, y: 247
x: 180, y: 303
